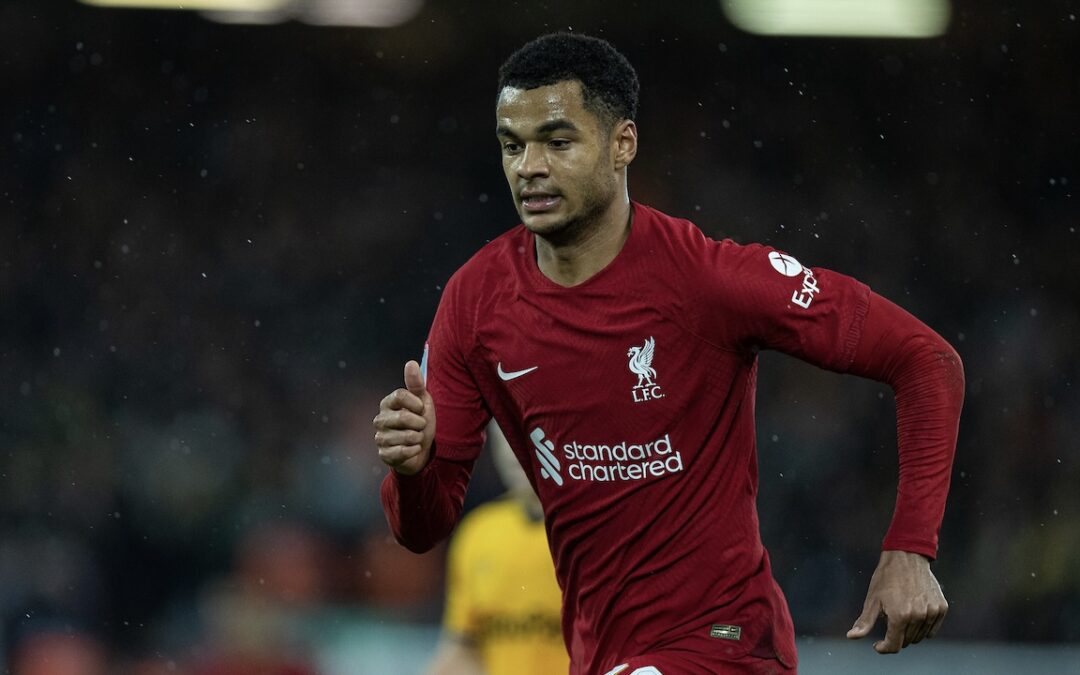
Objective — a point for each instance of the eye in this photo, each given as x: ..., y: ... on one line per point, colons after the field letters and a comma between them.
x: 510, y: 148
x: 559, y: 143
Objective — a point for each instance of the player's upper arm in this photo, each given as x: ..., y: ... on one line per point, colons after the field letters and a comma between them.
x: 755, y: 297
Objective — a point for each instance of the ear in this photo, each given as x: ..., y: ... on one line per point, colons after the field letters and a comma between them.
x: 624, y: 143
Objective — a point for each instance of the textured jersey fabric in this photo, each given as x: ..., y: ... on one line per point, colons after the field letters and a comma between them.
x: 629, y: 400
x: 501, y: 593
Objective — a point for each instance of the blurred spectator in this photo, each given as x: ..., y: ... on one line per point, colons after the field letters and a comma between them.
x: 59, y: 654
x: 40, y: 640
x: 254, y: 618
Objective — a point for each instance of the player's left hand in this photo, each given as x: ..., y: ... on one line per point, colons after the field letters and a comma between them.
x: 905, y: 592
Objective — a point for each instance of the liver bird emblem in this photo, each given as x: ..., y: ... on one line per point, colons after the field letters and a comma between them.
x: 641, y: 363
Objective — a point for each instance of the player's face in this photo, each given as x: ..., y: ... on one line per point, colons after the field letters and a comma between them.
x: 558, y: 158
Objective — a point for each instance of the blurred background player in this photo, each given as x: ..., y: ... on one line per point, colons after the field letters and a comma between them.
x: 502, y: 601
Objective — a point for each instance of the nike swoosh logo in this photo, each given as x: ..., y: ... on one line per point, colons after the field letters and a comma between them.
x: 506, y: 377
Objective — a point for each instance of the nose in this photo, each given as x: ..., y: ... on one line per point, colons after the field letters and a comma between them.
x: 533, y: 162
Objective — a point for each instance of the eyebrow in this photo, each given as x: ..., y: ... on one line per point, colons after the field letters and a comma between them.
x: 560, y: 124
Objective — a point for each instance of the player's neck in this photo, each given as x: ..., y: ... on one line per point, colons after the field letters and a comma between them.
x: 572, y: 263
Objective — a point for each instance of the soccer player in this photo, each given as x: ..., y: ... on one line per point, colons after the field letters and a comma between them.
x: 616, y: 347
x: 502, y: 602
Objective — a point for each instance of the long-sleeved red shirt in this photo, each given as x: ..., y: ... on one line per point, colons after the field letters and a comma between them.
x: 629, y: 400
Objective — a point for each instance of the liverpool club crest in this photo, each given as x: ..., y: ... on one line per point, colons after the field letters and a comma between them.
x: 640, y: 364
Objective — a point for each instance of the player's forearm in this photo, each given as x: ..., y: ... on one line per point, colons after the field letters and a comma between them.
x: 423, y: 508
x: 927, y: 377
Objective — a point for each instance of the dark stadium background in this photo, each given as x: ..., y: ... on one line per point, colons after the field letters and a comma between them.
x: 218, y: 244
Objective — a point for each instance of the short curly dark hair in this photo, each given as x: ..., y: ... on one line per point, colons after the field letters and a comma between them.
x: 609, y: 84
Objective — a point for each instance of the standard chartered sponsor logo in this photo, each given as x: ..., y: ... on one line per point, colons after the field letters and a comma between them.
x: 603, y: 462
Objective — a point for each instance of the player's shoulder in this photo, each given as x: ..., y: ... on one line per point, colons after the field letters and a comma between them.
x: 492, y: 267
x: 685, y: 239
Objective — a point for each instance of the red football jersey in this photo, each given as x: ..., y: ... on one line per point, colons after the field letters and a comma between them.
x: 629, y: 400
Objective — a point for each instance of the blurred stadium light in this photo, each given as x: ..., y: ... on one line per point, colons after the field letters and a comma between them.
x: 371, y: 13
x: 242, y: 5
x: 840, y: 18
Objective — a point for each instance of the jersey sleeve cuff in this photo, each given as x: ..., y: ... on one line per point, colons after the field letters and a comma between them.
x: 920, y: 546
x: 414, y: 481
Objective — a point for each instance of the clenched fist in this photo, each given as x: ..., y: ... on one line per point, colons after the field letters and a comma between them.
x: 405, y: 425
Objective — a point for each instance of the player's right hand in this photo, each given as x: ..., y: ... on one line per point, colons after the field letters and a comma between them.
x: 405, y: 425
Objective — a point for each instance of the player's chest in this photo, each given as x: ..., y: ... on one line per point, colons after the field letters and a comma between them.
x: 631, y: 355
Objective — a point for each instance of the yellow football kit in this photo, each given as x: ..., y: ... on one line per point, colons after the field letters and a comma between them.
x: 501, y: 595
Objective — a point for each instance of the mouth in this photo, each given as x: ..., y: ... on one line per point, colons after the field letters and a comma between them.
x: 539, y: 202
